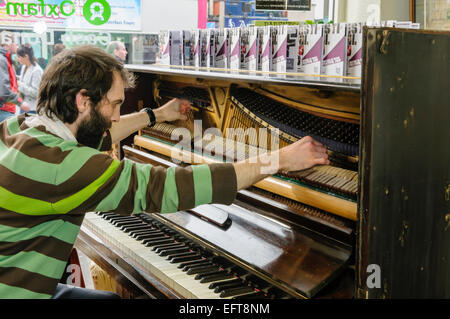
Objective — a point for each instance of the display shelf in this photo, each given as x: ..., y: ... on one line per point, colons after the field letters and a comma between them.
x: 314, y: 81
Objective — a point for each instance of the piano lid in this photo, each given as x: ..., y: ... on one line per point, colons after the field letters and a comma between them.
x: 296, y: 258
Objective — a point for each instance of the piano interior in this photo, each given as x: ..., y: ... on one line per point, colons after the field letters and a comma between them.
x: 291, y: 235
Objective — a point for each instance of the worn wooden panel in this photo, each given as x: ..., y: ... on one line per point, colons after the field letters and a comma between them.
x: 404, y: 208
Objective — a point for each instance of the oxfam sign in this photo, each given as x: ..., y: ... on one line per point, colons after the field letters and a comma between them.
x: 96, y: 12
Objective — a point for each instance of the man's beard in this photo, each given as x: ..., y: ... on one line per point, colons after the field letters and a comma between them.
x: 91, y: 130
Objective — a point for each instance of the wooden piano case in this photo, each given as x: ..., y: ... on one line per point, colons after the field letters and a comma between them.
x: 387, y: 239
x: 404, y: 203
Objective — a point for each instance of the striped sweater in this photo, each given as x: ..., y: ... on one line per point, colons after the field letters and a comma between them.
x: 47, y: 184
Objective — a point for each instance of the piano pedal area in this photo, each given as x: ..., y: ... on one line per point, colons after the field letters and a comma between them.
x: 180, y: 261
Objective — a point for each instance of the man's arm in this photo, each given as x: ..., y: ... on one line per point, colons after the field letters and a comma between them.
x: 174, y: 110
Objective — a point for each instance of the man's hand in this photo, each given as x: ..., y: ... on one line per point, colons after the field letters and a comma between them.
x: 173, y: 110
x: 302, y: 154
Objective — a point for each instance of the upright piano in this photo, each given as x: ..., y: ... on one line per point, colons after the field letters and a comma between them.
x: 373, y: 224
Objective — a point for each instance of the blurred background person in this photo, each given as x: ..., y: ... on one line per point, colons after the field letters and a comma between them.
x: 9, y: 97
x: 42, y: 62
x: 30, y: 77
x: 58, y: 48
x: 118, y: 49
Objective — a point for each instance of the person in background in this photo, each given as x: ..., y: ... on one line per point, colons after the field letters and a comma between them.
x: 9, y: 97
x: 42, y: 63
x: 30, y: 77
x: 57, y: 48
x: 118, y: 49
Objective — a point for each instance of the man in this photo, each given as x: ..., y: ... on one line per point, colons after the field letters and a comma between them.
x: 9, y: 97
x: 118, y: 49
x: 52, y: 171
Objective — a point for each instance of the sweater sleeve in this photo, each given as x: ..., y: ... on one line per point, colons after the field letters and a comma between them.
x: 143, y: 187
x: 127, y: 187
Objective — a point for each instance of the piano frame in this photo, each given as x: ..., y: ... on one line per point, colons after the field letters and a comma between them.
x: 403, y: 121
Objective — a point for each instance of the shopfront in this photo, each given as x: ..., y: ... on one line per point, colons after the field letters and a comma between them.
x: 46, y: 23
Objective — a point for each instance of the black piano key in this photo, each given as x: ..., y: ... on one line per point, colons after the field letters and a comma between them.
x: 127, y: 227
x: 236, y: 291
x: 114, y: 220
x: 185, y: 258
x: 221, y: 286
x: 158, y: 248
x: 202, y: 269
x: 134, y: 228
x: 276, y: 293
x: 166, y: 252
x: 169, y: 247
x: 253, y: 295
x: 179, y: 238
x: 213, y: 285
x: 170, y: 256
x: 146, y: 230
x: 203, y: 263
x: 119, y: 223
x: 150, y: 236
x: 129, y: 223
x: 193, y: 262
x: 212, y: 272
x: 235, y: 270
x: 215, y: 277
x: 119, y: 218
x: 153, y: 236
x: 154, y: 241
x: 122, y: 222
x: 104, y: 214
x: 135, y: 233
x: 224, y: 263
x: 108, y: 216
x: 257, y: 282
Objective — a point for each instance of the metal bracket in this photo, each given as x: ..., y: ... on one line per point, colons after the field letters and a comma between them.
x: 384, y: 42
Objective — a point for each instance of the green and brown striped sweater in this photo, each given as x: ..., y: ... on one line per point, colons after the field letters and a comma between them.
x: 47, y: 184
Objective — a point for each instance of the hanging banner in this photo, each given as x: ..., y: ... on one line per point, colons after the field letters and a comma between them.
x: 72, y: 14
x: 291, y: 5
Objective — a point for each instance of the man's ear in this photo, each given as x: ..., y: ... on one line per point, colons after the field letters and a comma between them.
x: 82, y: 101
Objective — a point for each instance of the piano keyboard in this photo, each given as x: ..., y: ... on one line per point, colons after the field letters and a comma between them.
x: 178, y: 262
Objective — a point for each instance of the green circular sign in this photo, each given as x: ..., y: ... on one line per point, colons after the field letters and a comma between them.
x: 97, y: 12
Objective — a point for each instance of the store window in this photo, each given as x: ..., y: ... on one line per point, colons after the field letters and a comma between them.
x: 113, y: 25
x: 432, y: 14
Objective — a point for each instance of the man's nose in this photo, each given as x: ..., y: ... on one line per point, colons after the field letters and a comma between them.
x: 116, y: 115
